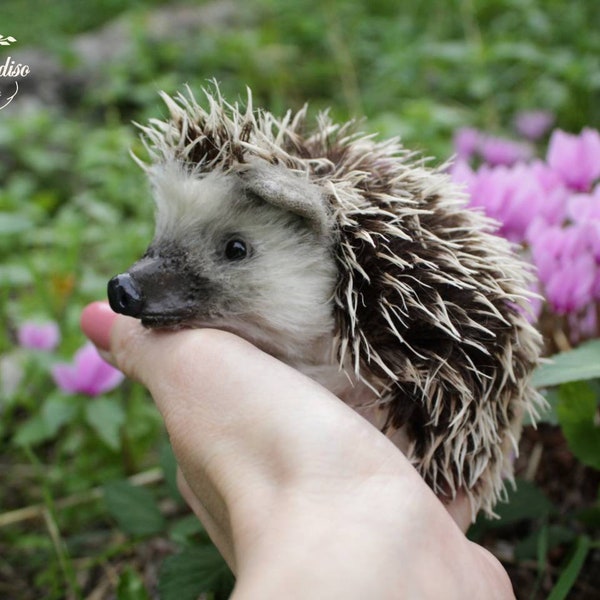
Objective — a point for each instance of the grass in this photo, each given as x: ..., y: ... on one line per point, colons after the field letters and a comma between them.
x: 74, y: 210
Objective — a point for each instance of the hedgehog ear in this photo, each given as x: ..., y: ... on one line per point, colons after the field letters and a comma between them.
x: 282, y: 187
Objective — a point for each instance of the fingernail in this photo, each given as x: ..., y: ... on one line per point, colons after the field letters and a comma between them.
x: 97, y: 319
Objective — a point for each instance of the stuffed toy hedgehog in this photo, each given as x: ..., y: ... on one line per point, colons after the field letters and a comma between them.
x: 350, y: 261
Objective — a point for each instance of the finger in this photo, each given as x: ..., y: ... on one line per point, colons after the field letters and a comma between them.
x: 96, y: 321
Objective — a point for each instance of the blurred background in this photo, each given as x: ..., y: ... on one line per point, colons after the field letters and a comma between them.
x: 88, y: 505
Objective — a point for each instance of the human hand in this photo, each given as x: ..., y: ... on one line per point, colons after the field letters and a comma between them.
x: 302, y: 496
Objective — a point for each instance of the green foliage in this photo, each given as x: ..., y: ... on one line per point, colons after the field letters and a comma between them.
x: 39, y: 20
x: 194, y: 570
x: 57, y: 410
x: 134, y: 508
x: 169, y: 467
x: 74, y: 210
x: 131, y: 587
x: 524, y: 502
x: 537, y: 545
x: 106, y: 417
x: 577, y: 412
x: 571, y: 570
x: 575, y: 365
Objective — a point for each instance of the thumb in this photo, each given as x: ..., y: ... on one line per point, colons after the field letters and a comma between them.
x: 119, y: 340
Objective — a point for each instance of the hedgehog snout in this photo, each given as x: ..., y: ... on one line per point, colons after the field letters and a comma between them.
x: 163, y: 291
x: 125, y: 295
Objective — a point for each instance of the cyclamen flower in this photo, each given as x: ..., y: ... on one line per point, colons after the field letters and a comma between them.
x: 549, y: 205
x: 88, y: 374
x: 570, y: 287
x: 497, y: 151
x: 466, y: 142
x: 584, y: 208
x: 462, y: 174
x: 566, y: 264
x: 549, y: 180
x: 576, y: 158
x: 495, y: 191
x: 513, y: 196
x: 38, y: 336
x: 533, y: 124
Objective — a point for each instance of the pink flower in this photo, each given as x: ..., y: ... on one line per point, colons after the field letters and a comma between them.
x: 593, y: 238
x: 546, y: 248
x: 566, y: 264
x: 462, y: 174
x: 511, y: 196
x: 89, y: 374
x: 576, y: 158
x: 549, y: 179
x: 570, y: 287
x: 497, y: 151
x: 466, y: 142
x: 549, y: 205
x: 38, y: 336
x: 533, y: 124
x: 583, y: 208
x: 553, y: 208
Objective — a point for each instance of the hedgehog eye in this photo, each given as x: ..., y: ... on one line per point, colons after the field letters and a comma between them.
x: 236, y: 249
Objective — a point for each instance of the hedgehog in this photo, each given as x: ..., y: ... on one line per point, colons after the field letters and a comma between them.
x: 352, y: 261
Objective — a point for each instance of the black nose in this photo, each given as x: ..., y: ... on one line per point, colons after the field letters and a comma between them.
x: 124, y: 296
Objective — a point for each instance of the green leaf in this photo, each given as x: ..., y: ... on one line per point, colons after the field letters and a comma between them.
x: 542, y: 548
x: 56, y: 411
x: 134, y: 508
x: 32, y: 432
x: 106, y: 417
x: 11, y: 223
x: 575, y: 365
x: 589, y: 516
x: 186, y: 528
x: 577, y: 409
x: 193, y: 571
x: 131, y: 586
x: 548, y: 414
x: 526, y: 502
x: 571, y: 571
x: 169, y: 467
x: 528, y: 548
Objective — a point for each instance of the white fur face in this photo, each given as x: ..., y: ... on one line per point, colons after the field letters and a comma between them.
x: 278, y: 295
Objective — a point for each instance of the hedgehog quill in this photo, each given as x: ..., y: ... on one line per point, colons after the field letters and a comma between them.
x: 350, y: 260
